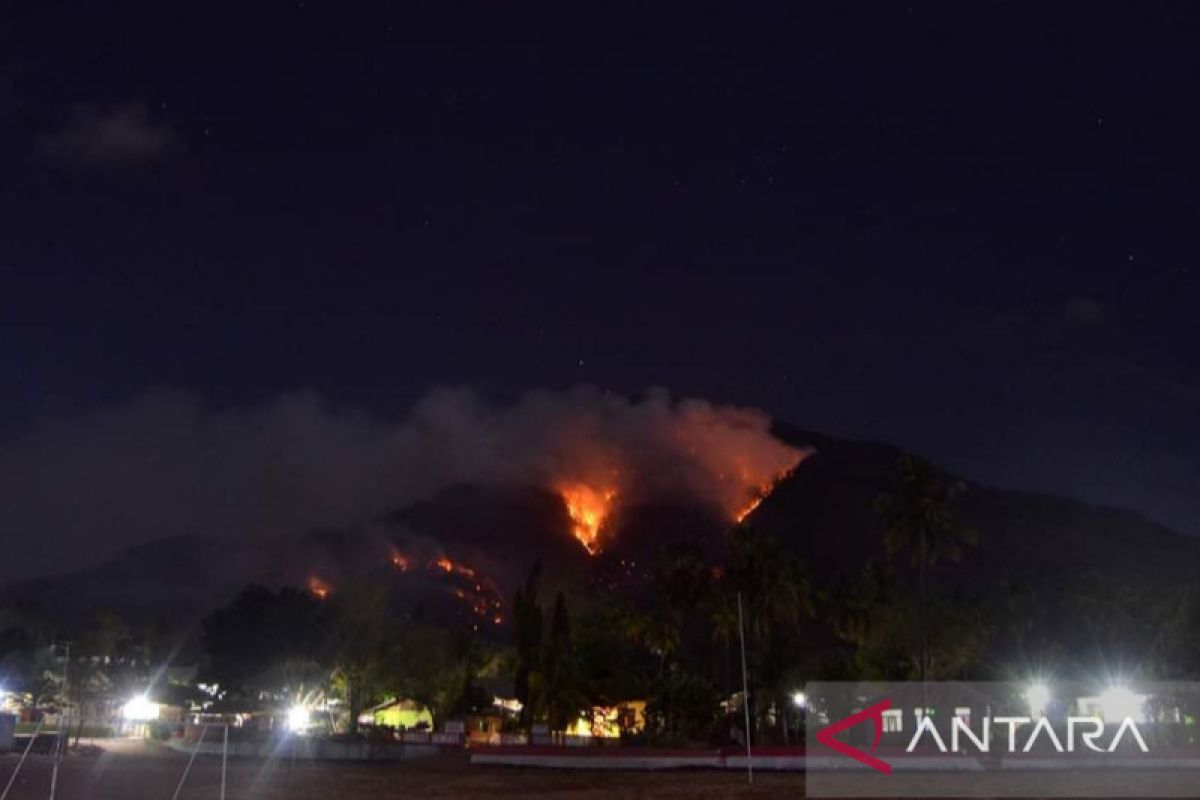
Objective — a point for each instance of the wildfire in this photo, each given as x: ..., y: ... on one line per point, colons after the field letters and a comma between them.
x: 588, y: 508
x: 760, y: 493
x: 446, y: 565
x: 749, y: 508
x: 319, y: 588
x: 477, y: 591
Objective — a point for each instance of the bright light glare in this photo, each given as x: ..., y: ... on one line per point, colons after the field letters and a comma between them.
x: 1038, y: 696
x: 298, y: 719
x: 139, y: 709
x: 800, y: 699
x: 1119, y: 702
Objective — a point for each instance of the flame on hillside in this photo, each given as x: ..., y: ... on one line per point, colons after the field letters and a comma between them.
x: 588, y: 509
x: 749, y: 508
x: 446, y: 565
x: 603, y: 453
x: 478, y: 592
x: 319, y: 588
x: 739, y: 493
x: 758, y: 494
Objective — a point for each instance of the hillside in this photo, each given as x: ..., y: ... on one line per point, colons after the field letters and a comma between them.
x: 824, y: 512
x: 493, y: 535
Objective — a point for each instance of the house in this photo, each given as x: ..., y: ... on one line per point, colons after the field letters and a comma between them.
x: 402, y: 715
x: 610, y: 722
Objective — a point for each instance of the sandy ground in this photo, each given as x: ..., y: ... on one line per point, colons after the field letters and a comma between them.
x: 132, y: 770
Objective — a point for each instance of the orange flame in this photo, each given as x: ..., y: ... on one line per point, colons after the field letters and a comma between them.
x: 749, y: 508
x: 400, y: 561
x: 446, y: 565
x: 480, y: 594
x: 319, y: 588
x: 760, y: 493
x: 588, y: 508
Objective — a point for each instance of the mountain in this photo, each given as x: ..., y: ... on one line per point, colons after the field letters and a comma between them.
x: 464, y: 550
x: 824, y: 512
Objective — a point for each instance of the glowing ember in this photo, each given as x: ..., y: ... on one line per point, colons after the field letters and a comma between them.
x: 478, y: 592
x: 588, y: 509
x: 448, y: 566
x: 319, y: 588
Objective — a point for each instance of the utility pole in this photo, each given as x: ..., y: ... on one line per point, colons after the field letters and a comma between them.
x: 745, y: 692
x: 65, y: 723
x: 224, y: 759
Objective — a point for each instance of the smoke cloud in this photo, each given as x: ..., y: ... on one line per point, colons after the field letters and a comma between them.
x: 74, y: 489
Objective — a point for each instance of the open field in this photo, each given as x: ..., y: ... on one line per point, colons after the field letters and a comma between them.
x: 132, y: 770
x: 128, y: 770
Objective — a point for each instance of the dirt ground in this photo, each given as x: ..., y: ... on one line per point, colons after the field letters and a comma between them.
x: 132, y: 770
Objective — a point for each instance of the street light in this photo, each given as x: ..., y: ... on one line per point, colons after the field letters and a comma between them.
x: 799, y: 700
x: 1038, y: 697
x: 1118, y: 702
x: 298, y: 719
x: 140, y: 709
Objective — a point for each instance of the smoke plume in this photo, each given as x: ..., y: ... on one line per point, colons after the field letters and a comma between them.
x: 73, y: 489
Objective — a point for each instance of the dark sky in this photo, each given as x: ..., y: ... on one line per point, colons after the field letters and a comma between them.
x: 970, y: 229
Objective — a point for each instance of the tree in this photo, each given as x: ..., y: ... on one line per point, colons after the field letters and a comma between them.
x: 463, y: 694
x: 774, y: 586
x: 104, y: 669
x: 421, y: 657
x: 920, y: 523
x: 107, y: 635
x: 777, y: 598
x: 527, y: 621
x: 561, y: 698
x: 679, y: 626
x: 257, y: 631
x: 684, y: 708
x: 612, y: 661
x: 361, y: 633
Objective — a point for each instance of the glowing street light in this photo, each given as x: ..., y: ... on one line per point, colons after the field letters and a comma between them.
x: 799, y: 700
x: 1118, y: 702
x: 139, y: 709
x: 298, y: 719
x: 1038, y: 697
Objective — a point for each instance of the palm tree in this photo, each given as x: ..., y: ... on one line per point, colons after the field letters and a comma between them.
x: 774, y: 585
x: 777, y: 596
x: 919, y: 518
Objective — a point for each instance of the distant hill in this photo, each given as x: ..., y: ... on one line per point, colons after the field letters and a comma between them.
x: 493, y: 534
x: 824, y: 513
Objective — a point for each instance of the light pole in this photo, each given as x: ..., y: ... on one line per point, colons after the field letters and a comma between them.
x: 745, y: 692
x: 65, y: 725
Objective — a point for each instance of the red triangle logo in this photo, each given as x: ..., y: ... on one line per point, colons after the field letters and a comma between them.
x: 875, y: 712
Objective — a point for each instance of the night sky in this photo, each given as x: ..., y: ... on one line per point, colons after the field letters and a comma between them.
x: 969, y: 229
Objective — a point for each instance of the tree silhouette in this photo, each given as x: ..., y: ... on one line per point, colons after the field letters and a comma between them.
x: 527, y: 621
x: 920, y: 524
